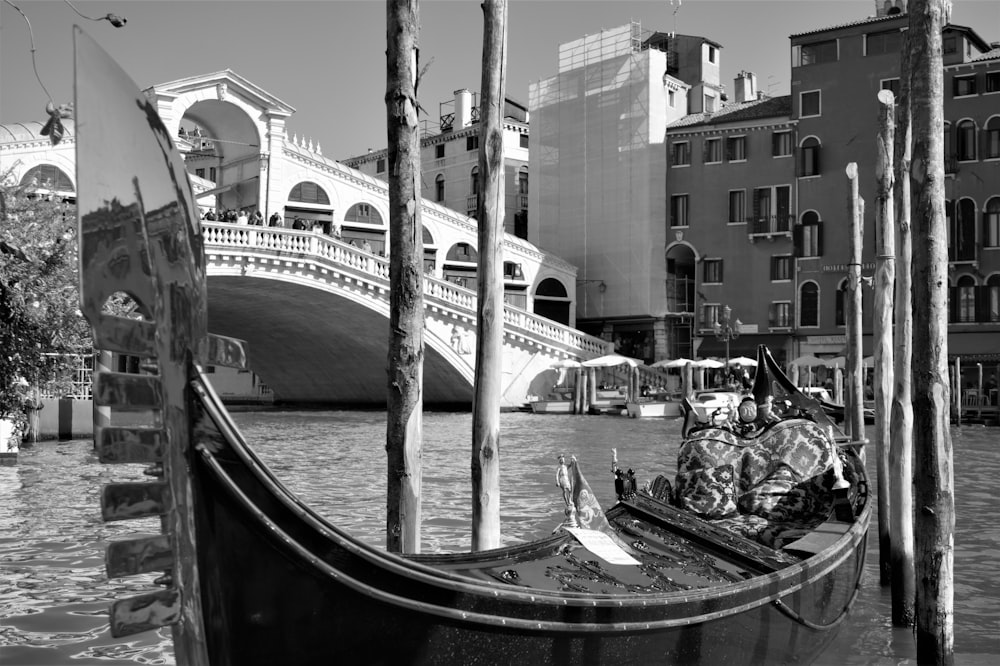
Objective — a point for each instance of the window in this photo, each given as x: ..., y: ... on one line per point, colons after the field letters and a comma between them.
x: 47, y: 177
x: 712, y: 271
x: 680, y: 153
x: 809, y: 304
x: 891, y: 85
x: 949, y: 44
x: 524, y: 140
x: 709, y: 315
x: 839, y: 316
x: 992, y: 82
x: 808, y: 236
x: 512, y: 271
x: 711, y: 53
x: 815, y: 54
x: 962, y: 86
x: 961, y: 221
x: 809, y: 157
x: 474, y: 178
x: 439, y: 188
x: 713, y: 151
x: 992, y: 297
x: 965, y: 291
x: 380, y: 165
x: 472, y: 143
x: 737, y: 206
x: 781, y: 144
x: 439, y: 151
x: 991, y: 138
x: 307, y: 192
x: 200, y: 173
x: 881, y: 43
x: 362, y: 213
x: 991, y: 223
x: 211, y: 174
x: 672, y: 98
x: 779, y: 314
x: 710, y: 104
x: 965, y: 139
x: 736, y: 148
x: 781, y: 268
x: 679, y: 210
x: 949, y: 154
x: 810, y: 104
x: 522, y: 188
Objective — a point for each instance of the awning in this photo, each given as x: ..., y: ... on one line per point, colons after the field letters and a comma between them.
x: 974, y: 347
x: 745, y: 345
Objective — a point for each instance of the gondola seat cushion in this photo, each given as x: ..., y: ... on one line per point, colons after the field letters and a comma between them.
x: 709, y: 492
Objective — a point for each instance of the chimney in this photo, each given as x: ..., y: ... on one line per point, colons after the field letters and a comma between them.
x: 463, y: 109
x: 745, y: 87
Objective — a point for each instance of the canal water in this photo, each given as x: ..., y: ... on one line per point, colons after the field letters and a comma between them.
x: 54, y: 593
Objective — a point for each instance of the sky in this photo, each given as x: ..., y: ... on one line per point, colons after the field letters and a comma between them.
x: 326, y: 58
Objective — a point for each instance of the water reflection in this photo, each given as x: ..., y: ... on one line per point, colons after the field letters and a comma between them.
x: 54, y: 593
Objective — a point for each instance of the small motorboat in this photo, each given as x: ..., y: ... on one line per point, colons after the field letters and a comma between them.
x: 749, y: 549
x: 652, y: 407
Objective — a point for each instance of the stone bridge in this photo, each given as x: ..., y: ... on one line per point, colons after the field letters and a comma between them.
x: 315, y: 313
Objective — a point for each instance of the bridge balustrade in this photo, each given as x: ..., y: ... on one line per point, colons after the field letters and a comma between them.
x: 335, y: 251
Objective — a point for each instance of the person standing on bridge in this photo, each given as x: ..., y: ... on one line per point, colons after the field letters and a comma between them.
x: 275, y: 220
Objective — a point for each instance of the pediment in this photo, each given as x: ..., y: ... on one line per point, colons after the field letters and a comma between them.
x: 226, y: 82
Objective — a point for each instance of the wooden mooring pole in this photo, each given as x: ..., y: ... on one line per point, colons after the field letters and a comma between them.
x: 854, y: 404
x: 901, y: 428
x: 934, y: 522
x: 885, y: 274
x: 489, y: 324
x: 404, y: 430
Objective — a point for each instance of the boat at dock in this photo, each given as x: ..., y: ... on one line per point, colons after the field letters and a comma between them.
x: 646, y: 407
x: 749, y: 549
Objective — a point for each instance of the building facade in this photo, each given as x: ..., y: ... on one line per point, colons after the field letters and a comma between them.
x: 449, y: 160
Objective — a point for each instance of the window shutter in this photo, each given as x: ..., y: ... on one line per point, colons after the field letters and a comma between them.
x: 720, y: 269
x: 817, y: 149
x: 981, y: 294
x: 756, y: 205
x: 771, y: 314
x: 819, y: 239
x: 729, y: 150
x: 704, y: 150
x: 797, y: 232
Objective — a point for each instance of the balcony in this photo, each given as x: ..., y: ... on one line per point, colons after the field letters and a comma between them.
x: 770, y: 227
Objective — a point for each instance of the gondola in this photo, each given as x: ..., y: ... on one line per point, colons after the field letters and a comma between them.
x: 251, y: 575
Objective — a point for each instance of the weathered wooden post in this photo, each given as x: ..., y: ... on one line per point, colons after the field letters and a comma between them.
x: 404, y: 431
x: 885, y: 274
x: 901, y: 447
x: 854, y: 404
x: 934, y: 499
x: 489, y: 323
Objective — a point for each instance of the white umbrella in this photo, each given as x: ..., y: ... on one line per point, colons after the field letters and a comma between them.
x: 612, y: 360
x: 808, y: 361
x: 744, y: 361
x: 566, y: 363
x: 673, y: 363
x: 709, y: 363
x: 841, y: 362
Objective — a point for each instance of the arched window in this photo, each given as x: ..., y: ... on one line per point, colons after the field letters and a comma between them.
x: 991, y: 223
x: 430, y: 252
x: 809, y: 304
x: 308, y: 192
x: 991, y: 142
x: 439, y: 188
x: 47, y: 177
x: 961, y: 230
x: 463, y: 252
x: 965, y: 293
x: 839, y: 316
x: 475, y: 180
x: 949, y: 153
x: 363, y: 213
x: 809, y: 157
x: 992, y: 297
x: 808, y: 236
x: 965, y: 138
x: 461, y: 265
x: 551, y: 301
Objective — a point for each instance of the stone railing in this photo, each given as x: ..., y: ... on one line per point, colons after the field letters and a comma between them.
x: 310, y: 243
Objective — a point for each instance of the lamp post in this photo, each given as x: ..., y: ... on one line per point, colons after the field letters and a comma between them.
x: 726, y: 329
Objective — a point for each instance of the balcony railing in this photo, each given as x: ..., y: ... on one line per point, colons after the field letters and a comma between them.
x: 770, y: 225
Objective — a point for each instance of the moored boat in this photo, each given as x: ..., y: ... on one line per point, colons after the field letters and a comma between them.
x: 560, y: 406
x: 643, y: 408
x: 735, y: 562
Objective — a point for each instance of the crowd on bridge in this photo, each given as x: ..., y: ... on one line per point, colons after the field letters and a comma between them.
x: 256, y: 218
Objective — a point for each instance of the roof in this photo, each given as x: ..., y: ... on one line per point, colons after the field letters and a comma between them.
x: 30, y: 131
x: 734, y: 112
x: 989, y: 55
x: 870, y: 19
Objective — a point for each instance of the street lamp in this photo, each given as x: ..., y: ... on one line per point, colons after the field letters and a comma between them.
x: 727, y: 329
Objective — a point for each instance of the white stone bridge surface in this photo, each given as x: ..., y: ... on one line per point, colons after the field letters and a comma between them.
x: 315, y: 313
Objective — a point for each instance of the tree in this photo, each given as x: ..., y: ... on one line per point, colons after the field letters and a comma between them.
x: 40, y: 321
